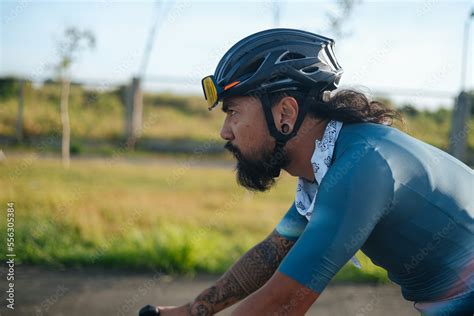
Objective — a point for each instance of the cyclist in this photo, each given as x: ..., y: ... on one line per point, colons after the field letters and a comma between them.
x: 362, y: 184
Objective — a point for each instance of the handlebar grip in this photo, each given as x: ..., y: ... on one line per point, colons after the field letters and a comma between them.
x: 149, y: 310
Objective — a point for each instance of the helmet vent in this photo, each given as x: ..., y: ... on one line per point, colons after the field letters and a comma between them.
x: 310, y: 69
x: 292, y: 56
x: 253, y: 67
x: 276, y: 79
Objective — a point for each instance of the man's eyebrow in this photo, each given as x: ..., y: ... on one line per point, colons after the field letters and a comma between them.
x: 226, y: 105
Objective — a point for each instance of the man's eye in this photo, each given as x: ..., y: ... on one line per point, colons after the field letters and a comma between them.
x: 232, y: 112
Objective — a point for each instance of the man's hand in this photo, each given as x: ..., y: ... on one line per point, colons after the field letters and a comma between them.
x: 281, y: 295
x: 174, y: 310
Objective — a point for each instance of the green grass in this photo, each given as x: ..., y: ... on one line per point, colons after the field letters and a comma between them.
x: 175, y: 217
x: 101, y: 116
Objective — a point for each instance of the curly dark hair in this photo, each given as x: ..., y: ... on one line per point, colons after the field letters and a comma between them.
x: 347, y: 106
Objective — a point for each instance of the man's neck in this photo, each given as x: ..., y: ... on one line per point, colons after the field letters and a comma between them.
x: 300, y: 149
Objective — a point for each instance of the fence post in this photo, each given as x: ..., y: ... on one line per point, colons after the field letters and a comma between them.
x: 133, y: 112
x: 460, y: 126
x: 128, y: 111
x: 19, y: 118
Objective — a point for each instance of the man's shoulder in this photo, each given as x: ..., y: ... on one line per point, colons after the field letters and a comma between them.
x: 357, y: 136
x: 366, y: 131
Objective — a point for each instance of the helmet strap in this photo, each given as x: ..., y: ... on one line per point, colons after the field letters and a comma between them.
x: 279, y: 137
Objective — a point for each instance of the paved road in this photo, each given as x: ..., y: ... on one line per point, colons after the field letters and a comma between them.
x: 94, y: 291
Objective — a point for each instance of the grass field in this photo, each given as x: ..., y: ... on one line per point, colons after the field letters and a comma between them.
x: 101, y: 116
x: 174, y: 217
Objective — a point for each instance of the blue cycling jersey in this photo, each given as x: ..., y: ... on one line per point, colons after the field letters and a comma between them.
x: 406, y: 204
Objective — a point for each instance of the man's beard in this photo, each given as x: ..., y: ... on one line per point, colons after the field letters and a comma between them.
x: 259, y: 174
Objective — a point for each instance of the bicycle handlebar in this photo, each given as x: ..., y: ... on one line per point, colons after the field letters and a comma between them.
x: 149, y: 310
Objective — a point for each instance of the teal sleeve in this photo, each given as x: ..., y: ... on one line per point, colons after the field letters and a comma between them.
x: 292, y: 224
x: 352, y: 197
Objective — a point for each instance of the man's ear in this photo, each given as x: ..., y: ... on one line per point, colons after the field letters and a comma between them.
x: 285, y: 114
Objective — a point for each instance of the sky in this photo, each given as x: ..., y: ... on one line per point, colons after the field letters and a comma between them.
x: 408, y: 50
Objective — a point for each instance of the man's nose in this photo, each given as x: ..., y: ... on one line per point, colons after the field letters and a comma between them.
x: 226, y: 132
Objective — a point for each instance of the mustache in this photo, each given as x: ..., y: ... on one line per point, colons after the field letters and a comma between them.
x: 233, y: 149
x: 258, y: 174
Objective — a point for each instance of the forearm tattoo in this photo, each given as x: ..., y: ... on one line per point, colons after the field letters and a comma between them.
x: 247, y: 275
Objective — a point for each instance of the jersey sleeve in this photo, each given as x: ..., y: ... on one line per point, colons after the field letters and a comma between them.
x: 292, y: 224
x: 353, y: 195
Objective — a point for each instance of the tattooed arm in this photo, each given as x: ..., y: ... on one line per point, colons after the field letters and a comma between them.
x: 246, y: 276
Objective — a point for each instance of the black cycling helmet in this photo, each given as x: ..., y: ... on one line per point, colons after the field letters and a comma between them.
x: 275, y: 60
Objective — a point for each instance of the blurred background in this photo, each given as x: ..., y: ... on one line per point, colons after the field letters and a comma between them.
x: 115, y: 165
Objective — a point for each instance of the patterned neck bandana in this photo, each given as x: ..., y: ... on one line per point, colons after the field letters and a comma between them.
x: 321, y: 161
